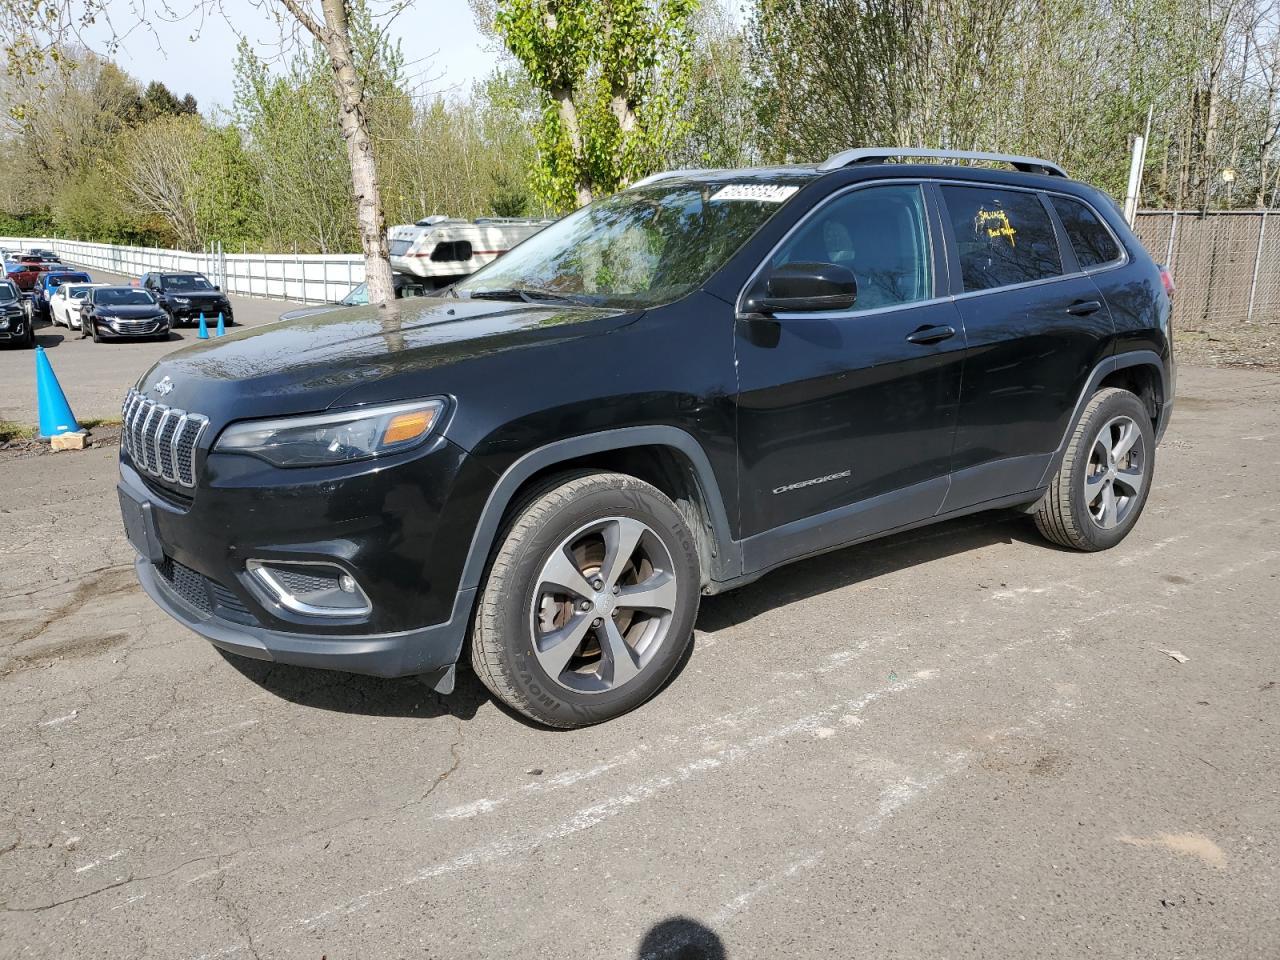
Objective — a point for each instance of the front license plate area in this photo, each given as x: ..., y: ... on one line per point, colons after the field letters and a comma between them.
x: 140, y: 526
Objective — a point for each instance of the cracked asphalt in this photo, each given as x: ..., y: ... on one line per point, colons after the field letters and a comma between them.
x: 956, y: 742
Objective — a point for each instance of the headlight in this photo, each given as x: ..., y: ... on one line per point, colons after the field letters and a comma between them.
x: 4, y: 324
x: 333, y: 437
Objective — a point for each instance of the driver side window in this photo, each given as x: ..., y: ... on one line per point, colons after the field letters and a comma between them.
x: 880, y: 233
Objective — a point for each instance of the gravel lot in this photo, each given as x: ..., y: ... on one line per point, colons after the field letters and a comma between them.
x: 957, y: 742
x: 95, y: 376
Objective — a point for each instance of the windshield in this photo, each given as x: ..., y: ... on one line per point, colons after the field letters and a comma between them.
x: 358, y: 297
x: 111, y: 297
x: 8, y: 291
x: 71, y: 278
x: 641, y: 247
x: 78, y: 293
x: 186, y: 281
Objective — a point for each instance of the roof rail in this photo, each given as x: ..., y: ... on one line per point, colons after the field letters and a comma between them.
x: 848, y: 158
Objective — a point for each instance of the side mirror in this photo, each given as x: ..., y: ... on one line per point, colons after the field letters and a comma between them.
x: 808, y: 288
x: 217, y: 287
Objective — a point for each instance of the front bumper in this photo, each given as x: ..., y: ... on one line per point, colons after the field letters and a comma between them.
x: 190, y: 313
x: 158, y: 328
x: 428, y: 650
x: 400, y: 528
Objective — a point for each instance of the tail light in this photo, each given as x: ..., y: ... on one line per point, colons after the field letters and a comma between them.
x: 1167, y: 279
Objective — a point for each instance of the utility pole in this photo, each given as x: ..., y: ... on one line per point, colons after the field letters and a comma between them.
x: 1136, y: 165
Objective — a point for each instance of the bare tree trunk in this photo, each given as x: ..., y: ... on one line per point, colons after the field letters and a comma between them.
x: 335, y: 35
x: 355, y: 131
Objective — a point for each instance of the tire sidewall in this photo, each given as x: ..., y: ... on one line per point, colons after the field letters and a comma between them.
x: 1118, y: 404
x: 512, y: 606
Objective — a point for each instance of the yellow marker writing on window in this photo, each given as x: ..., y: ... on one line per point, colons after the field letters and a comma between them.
x: 996, y: 224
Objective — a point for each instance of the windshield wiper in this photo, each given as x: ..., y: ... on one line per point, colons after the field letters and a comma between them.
x: 527, y: 294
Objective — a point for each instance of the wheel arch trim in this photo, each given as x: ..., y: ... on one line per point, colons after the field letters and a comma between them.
x: 1104, y: 369
x: 727, y: 559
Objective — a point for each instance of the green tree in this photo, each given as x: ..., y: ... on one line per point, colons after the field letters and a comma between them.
x: 718, y: 127
x: 612, y: 77
x: 34, y: 34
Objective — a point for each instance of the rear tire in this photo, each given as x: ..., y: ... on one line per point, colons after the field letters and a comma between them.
x: 1101, y: 487
x: 589, y: 601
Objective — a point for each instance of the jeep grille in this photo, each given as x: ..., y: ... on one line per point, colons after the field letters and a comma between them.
x: 160, y: 440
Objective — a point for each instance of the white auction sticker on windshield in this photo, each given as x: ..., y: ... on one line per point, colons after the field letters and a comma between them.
x: 763, y: 192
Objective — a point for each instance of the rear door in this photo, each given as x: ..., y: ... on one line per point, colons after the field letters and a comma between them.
x: 1036, y: 326
x: 846, y: 419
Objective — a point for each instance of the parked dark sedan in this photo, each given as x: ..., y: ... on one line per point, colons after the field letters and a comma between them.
x: 184, y: 296
x: 15, y: 321
x: 123, y: 313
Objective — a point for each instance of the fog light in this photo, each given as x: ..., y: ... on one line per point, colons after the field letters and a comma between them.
x: 316, y: 589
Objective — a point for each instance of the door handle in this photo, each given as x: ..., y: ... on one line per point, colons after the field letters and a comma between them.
x: 927, y: 335
x: 1082, y: 308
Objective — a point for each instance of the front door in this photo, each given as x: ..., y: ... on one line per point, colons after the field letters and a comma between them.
x: 846, y: 420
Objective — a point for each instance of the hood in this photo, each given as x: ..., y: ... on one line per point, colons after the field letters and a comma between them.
x: 312, y: 362
x: 310, y: 311
x: 146, y: 311
x: 195, y: 295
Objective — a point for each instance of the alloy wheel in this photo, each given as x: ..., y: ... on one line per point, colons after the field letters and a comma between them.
x: 603, y: 605
x: 1117, y: 469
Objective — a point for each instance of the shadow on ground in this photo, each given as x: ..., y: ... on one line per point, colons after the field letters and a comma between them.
x: 679, y: 938
x: 366, y: 696
x: 851, y: 565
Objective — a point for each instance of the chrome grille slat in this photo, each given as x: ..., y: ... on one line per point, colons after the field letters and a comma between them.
x: 164, y: 452
x: 148, y: 440
x: 161, y: 440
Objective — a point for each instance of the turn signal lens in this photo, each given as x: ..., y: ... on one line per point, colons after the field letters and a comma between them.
x: 408, y: 426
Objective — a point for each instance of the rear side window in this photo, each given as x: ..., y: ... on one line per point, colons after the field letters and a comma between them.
x: 1003, y: 237
x: 1090, y: 238
x: 880, y: 233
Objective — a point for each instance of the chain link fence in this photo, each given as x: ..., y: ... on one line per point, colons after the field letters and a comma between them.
x: 1226, y: 264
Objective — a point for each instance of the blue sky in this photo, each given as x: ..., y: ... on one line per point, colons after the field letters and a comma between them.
x: 438, y: 38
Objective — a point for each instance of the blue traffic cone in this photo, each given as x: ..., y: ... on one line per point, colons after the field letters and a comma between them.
x: 204, y: 328
x: 222, y: 330
x: 55, y: 413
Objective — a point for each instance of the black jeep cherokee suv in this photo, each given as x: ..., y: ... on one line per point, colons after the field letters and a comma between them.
x: 665, y: 394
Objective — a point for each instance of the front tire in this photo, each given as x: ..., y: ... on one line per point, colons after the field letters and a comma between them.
x: 1099, y: 492
x: 589, y: 602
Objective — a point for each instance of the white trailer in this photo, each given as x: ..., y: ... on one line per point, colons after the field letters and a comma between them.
x: 441, y: 250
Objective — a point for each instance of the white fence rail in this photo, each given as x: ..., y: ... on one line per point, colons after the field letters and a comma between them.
x: 309, y: 278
